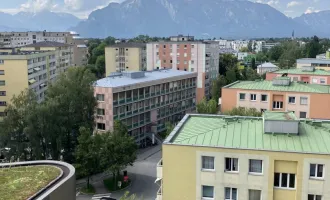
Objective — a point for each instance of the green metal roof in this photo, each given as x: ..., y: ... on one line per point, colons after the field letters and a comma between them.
x: 300, y: 71
x: 247, y: 133
x: 268, y: 85
x: 279, y: 115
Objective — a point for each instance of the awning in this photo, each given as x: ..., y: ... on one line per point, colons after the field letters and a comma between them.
x: 31, y: 81
x: 37, y: 68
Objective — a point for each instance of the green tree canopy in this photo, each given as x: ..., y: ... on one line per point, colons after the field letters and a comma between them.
x: 242, y: 111
x: 216, y: 87
x: 207, y: 107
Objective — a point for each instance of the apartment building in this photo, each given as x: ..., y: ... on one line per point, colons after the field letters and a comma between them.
x: 25, y: 70
x: 280, y: 94
x: 144, y: 101
x: 192, y: 56
x: 80, y: 49
x: 274, y: 157
x: 304, y: 74
x: 64, y: 52
x: 122, y: 57
x: 266, y: 67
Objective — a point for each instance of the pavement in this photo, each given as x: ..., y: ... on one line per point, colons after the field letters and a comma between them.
x: 142, y: 175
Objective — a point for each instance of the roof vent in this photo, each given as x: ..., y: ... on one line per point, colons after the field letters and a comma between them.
x: 280, y: 122
x: 307, y: 68
x: 281, y: 81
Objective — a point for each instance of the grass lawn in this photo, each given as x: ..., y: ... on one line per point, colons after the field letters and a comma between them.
x: 19, y: 183
x: 90, y: 190
x: 111, y: 185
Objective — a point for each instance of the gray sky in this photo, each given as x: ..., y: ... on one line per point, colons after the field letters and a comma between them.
x: 82, y: 8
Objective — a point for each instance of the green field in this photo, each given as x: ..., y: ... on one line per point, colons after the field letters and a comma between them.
x: 19, y: 183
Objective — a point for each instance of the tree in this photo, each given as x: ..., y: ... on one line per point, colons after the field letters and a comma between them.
x: 169, y: 128
x: 216, y: 87
x: 118, y: 150
x: 275, y: 52
x: 250, y: 74
x: 73, y: 101
x: 88, y: 153
x: 231, y: 75
x: 207, y: 107
x: 14, y: 124
x: 242, y: 111
x: 227, y: 61
x: 313, y: 48
x: 253, y: 63
x: 100, y: 66
x: 110, y: 40
x: 250, y: 48
x: 244, y: 49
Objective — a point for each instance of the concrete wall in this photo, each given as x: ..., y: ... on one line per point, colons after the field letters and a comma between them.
x: 185, y: 182
x: 110, y: 60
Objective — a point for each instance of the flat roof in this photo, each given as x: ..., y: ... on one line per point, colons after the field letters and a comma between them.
x: 128, y: 45
x: 268, y: 85
x: 300, y: 71
x: 313, y: 60
x: 120, y: 81
x: 48, y: 44
x: 247, y: 133
x: 279, y: 115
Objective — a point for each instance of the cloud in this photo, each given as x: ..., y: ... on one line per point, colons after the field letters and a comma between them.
x: 311, y: 10
x: 293, y: 3
x: 273, y: 2
x: 38, y: 5
x: 74, y: 4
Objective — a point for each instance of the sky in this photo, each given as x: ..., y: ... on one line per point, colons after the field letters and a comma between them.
x: 82, y: 8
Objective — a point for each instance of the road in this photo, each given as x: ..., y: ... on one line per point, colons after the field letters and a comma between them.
x: 142, y: 174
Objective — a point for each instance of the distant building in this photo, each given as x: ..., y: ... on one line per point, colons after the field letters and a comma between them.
x: 228, y: 51
x: 144, y: 101
x: 274, y: 157
x: 242, y: 55
x: 25, y: 70
x: 280, y: 94
x: 192, y: 56
x: 266, y: 67
x: 304, y: 74
x: 122, y: 57
x: 64, y: 52
x: 321, y: 61
x: 237, y: 45
x: 182, y: 38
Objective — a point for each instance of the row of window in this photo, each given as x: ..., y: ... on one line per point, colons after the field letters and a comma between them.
x: 3, y: 103
x: 256, y: 166
x: 264, y: 98
x: 232, y: 194
x: 178, y: 46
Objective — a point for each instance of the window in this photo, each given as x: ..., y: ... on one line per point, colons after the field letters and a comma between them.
x: 231, y: 164
x: 292, y: 100
x: 322, y: 81
x: 2, y: 93
x: 208, y: 162
x: 284, y: 180
x: 192, y: 46
x: 314, y: 197
x: 3, y: 103
x: 303, y: 100
x: 2, y: 72
x: 255, y: 166
x: 1, y: 62
x: 314, y: 80
x: 264, y: 97
x: 277, y: 104
x: 164, y: 61
x: 164, y: 46
x: 101, y: 126
x: 2, y: 83
x: 303, y: 115
x: 100, y: 111
x: 316, y: 170
x: 253, y: 97
x: 254, y: 194
x: 207, y: 192
x: 100, y: 97
x: 192, y: 62
x: 241, y: 96
x: 185, y: 54
x: 230, y: 193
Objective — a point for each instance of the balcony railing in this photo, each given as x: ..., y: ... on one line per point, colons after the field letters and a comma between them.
x: 159, y: 193
x: 160, y: 169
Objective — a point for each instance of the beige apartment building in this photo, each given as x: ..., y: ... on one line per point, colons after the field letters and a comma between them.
x: 318, y: 63
x: 273, y: 157
x: 122, y: 57
x: 25, y: 70
x: 186, y: 54
x: 64, y: 53
x: 144, y: 101
x: 280, y: 94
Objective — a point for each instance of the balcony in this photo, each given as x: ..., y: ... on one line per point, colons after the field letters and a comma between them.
x: 121, y: 101
x: 160, y: 169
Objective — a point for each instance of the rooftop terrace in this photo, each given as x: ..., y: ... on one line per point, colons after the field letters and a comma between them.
x: 292, y: 87
x: 247, y: 133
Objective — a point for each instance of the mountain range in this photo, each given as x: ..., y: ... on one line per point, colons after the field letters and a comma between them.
x: 44, y: 20
x: 201, y: 18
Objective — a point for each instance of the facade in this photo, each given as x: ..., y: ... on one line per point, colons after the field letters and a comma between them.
x: 144, y: 101
x: 266, y: 67
x: 80, y: 49
x: 125, y: 57
x: 25, y: 70
x: 237, y: 45
x: 274, y: 157
x: 192, y: 56
x: 281, y: 94
x: 305, y: 74
x: 63, y: 187
x: 314, y: 62
x: 64, y: 52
